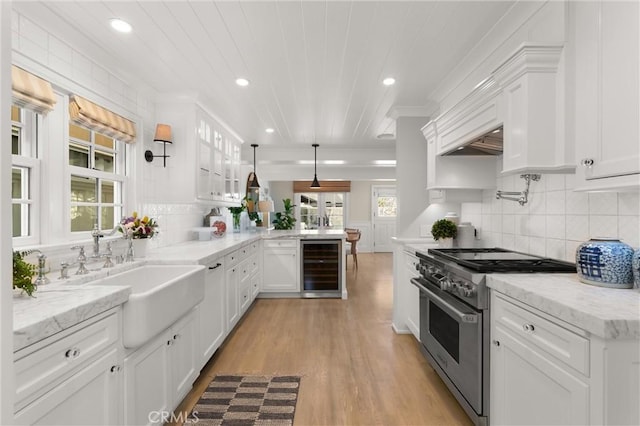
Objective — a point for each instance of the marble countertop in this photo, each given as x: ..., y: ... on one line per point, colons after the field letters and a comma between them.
x: 604, y: 312
x: 62, y: 304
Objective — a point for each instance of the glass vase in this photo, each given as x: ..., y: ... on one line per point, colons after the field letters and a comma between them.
x: 236, y: 223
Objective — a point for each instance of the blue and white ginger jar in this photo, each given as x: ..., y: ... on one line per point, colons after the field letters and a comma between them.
x: 605, y: 262
x: 635, y: 264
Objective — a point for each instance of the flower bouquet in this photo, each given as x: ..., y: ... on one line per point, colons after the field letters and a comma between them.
x: 137, y: 227
x: 235, y: 213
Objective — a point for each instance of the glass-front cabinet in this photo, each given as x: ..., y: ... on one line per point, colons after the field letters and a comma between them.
x: 218, y: 161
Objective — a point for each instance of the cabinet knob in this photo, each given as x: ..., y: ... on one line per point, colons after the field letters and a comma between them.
x: 72, y: 353
x: 169, y: 342
x: 176, y: 336
x: 496, y: 343
x: 529, y: 328
x: 587, y: 162
x: 115, y: 369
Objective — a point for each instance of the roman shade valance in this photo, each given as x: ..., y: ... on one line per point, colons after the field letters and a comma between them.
x: 325, y: 186
x: 86, y: 113
x: 31, y: 92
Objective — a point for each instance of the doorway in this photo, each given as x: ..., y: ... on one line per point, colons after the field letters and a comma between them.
x: 384, y: 210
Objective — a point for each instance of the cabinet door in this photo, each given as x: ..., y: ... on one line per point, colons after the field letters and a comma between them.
x: 147, y: 377
x: 412, y: 294
x: 183, y: 356
x: 92, y: 396
x: 205, y: 191
x: 528, y: 388
x: 280, y: 266
x: 212, y: 312
x: 607, y: 85
x: 231, y: 293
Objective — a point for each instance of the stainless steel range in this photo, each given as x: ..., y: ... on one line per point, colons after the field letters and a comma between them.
x: 454, y: 315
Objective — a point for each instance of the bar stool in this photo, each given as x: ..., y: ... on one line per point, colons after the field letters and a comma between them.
x: 353, y: 236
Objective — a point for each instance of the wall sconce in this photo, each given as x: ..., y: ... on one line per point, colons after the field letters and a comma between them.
x: 163, y: 135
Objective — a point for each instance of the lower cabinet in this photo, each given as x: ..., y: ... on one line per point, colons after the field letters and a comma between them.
x: 213, y: 326
x: 547, y: 372
x: 412, y: 293
x: 281, y: 266
x: 91, y: 396
x: 232, y: 293
x: 73, y: 377
x: 159, y: 374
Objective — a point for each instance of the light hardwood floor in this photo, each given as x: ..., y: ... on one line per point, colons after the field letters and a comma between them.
x: 355, y: 370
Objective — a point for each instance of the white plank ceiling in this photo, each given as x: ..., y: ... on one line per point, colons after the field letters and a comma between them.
x: 315, y: 67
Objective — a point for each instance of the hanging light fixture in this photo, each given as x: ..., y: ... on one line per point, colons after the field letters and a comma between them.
x: 254, y: 182
x: 315, y: 183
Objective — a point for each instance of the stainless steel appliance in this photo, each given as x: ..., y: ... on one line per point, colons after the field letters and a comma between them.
x: 321, y: 268
x: 454, y: 315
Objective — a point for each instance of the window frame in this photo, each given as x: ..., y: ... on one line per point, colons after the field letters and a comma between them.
x: 29, y: 158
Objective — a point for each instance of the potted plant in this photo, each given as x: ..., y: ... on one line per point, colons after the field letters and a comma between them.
x: 285, y: 220
x: 23, y: 273
x: 444, y: 231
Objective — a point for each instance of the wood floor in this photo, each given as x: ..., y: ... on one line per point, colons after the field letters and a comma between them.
x: 355, y: 370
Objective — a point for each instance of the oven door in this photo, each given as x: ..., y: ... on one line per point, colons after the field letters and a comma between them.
x: 451, y: 332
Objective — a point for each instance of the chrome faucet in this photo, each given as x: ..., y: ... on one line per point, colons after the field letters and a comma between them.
x: 82, y: 259
x: 42, y: 270
x: 129, y: 256
x: 96, y: 234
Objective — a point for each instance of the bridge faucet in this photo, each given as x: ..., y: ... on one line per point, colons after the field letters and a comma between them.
x: 96, y: 234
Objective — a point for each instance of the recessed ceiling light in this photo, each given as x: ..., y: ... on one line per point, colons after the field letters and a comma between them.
x: 120, y: 25
x: 335, y: 162
x: 385, y: 162
x: 242, y: 82
x: 389, y: 81
x: 269, y: 130
x: 496, y: 131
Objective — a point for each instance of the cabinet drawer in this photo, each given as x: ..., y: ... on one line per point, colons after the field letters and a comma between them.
x: 280, y: 243
x: 253, y: 263
x: 35, y: 372
x: 236, y: 257
x: 244, y: 269
x: 557, y: 341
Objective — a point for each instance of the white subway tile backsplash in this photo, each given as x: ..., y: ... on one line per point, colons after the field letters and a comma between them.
x: 603, y: 226
x: 629, y: 230
x: 577, y: 227
x: 554, y: 182
x: 555, y: 202
x: 537, y: 226
x: 556, y: 228
x: 569, y: 181
x: 522, y: 225
x: 576, y: 202
x: 509, y: 241
x: 603, y: 203
x: 570, y: 250
x: 508, y: 224
x: 537, y: 246
x: 555, y: 248
x: 521, y: 243
x: 537, y: 203
x: 629, y: 204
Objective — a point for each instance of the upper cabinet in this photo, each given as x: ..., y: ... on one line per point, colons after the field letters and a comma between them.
x: 606, y: 41
x: 533, y: 105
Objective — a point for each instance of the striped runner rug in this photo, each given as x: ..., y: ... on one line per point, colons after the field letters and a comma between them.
x: 248, y: 400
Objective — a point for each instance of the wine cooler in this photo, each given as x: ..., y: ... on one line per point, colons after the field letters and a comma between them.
x: 321, y: 268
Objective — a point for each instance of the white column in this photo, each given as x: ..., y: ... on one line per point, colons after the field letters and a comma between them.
x: 6, y: 266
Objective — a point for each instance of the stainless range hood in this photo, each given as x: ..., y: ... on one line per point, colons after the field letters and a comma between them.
x: 488, y: 144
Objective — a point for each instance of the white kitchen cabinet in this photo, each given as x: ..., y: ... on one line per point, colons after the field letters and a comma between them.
x: 606, y: 40
x: 232, y: 294
x: 72, y: 377
x: 281, y: 266
x: 412, y: 294
x: 212, y: 311
x: 91, y: 396
x: 533, y: 102
x: 545, y: 371
x: 161, y: 373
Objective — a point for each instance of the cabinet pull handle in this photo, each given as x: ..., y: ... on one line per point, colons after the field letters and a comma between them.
x: 169, y: 342
x: 115, y: 369
x: 587, y: 162
x: 496, y: 343
x: 176, y: 336
x: 72, y: 353
x: 529, y: 328
x: 215, y: 267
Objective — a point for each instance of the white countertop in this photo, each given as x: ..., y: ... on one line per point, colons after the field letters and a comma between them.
x: 604, y: 312
x: 62, y: 304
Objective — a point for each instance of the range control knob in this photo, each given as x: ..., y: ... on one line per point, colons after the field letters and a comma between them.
x: 466, y: 291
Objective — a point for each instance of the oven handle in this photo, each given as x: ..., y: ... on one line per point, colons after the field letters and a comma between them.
x: 462, y: 316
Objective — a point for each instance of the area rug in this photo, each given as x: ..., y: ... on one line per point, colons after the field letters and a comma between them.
x: 248, y: 400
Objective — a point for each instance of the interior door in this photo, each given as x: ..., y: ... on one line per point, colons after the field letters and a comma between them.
x: 383, y: 212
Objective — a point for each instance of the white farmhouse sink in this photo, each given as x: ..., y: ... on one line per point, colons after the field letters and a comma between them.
x: 160, y: 295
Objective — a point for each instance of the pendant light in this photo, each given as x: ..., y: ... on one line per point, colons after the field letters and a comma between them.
x: 315, y: 183
x: 254, y: 182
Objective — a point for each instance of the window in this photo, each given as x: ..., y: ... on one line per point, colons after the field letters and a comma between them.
x: 97, y: 169
x: 24, y: 173
x: 321, y: 210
